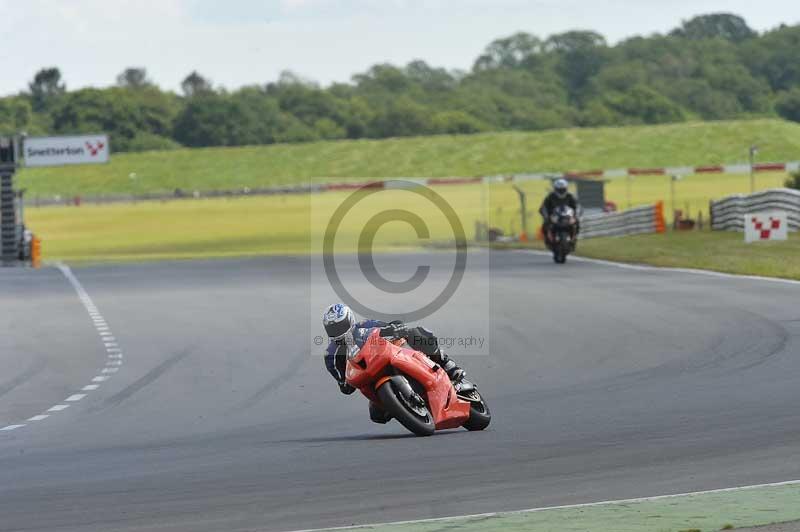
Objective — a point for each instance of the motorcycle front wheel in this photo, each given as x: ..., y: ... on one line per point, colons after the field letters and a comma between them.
x: 479, y: 414
x: 412, y: 413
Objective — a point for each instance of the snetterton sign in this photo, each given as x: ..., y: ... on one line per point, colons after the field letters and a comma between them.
x: 58, y: 151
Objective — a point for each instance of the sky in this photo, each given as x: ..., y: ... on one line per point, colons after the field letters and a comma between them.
x: 241, y: 42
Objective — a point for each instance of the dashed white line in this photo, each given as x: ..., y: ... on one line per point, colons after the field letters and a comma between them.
x: 109, y: 342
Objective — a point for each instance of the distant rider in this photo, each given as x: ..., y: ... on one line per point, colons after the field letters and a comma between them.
x: 558, y: 197
x: 345, y: 333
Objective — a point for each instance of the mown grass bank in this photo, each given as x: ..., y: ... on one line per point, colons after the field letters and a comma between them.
x: 436, y: 156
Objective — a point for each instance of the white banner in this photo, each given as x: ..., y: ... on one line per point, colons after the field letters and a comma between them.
x: 763, y: 226
x: 58, y: 151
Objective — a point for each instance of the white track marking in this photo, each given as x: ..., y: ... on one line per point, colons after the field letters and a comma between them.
x: 645, y: 267
x: 565, y: 507
x: 109, y: 342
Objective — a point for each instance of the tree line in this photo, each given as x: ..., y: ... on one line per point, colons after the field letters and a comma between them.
x: 711, y: 67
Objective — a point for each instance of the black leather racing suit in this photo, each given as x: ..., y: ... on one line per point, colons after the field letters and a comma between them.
x: 549, y: 206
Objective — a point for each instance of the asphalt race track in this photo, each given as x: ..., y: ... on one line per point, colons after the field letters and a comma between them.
x: 605, y: 383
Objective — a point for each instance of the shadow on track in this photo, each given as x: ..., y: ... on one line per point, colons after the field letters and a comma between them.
x: 364, y: 437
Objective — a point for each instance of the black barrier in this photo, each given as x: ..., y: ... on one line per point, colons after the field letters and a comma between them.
x: 9, y: 243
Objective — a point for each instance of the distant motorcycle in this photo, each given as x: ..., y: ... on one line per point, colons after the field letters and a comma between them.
x: 562, y: 233
x: 413, y: 389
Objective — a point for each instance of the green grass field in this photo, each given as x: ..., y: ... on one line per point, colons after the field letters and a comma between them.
x: 295, y: 225
x: 237, y: 227
x: 439, y: 156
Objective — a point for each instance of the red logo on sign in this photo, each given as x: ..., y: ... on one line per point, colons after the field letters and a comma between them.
x: 759, y: 226
x: 94, y: 148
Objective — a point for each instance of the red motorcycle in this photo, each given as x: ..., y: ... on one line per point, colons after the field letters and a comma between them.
x: 414, y: 389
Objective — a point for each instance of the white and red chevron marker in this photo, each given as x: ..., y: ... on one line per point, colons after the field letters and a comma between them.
x: 737, y: 168
x: 690, y: 170
x: 763, y: 226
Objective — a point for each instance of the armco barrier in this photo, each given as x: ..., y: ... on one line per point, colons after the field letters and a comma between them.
x: 647, y: 219
x: 728, y: 213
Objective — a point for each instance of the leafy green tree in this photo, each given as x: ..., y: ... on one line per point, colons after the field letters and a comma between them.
x: 15, y: 115
x: 431, y: 79
x: 580, y: 55
x: 46, y: 88
x: 517, y: 50
x: 212, y: 120
x: 456, y: 123
x: 402, y: 117
x: 644, y: 105
x: 133, y: 78
x: 150, y: 142
x: 712, y: 67
x: 788, y: 105
x: 327, y: 129
x: 793, y: 181
x: 93, y: 111
x: 716, y: 25
x: 774, y: 57
x: 123, y: 113
x: 195, y: 84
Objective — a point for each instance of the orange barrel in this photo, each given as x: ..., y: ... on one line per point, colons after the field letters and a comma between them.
x: 36, y: 251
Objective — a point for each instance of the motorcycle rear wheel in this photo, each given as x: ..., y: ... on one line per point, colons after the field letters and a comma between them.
x: 421, y: 425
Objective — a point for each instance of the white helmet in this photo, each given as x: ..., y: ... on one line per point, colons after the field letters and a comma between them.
x: 560, y: 187
x: 338, y: 320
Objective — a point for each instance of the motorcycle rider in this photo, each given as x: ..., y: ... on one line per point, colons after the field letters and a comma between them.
x: 558, y: 197
x: 345, y: 333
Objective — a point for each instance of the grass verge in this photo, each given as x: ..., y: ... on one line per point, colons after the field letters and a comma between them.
x: 707, y: 512
x: 706, y: 250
